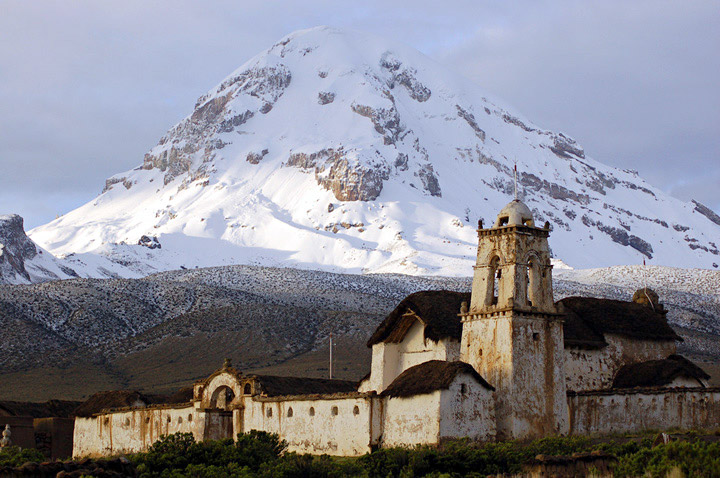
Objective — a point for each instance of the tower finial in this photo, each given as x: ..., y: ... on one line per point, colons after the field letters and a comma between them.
x: 516, y: 179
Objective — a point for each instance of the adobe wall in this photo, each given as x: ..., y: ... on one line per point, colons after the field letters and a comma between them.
x: 133, y: 430
x: 612, y: 411
x: 391, y: 359
x: 23, y: 432
x: 54, y: 436
x: 595, y: 369
x: 467, y: 413
x: 519, y: 355
x: 348, y: 432
x: 412, y: 420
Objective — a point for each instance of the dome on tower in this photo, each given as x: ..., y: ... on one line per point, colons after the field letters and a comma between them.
x: 516, y: 213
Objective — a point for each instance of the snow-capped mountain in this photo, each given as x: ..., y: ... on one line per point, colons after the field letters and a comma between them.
x: 340, y: 151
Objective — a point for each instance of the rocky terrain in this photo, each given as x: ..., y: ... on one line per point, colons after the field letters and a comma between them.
x: 67, y: 339
x: 339, y: 151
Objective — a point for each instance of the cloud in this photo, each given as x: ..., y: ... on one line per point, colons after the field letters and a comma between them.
x: 88, y: 87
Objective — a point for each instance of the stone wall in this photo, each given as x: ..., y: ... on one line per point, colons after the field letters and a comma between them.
x: 614, y: 411
x: 595, y: 369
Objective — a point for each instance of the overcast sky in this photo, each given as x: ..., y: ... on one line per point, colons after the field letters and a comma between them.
x: 87, y: 87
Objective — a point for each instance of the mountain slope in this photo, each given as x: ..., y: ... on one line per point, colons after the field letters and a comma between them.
x: 336, y: 150
x: 70, y: 338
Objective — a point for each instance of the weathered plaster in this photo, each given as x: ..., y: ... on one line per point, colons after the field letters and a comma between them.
x: 133, y: 430
x: 644, y: 409
x: 336, y: 427
x: 391, y: 359
x: 595, y: 369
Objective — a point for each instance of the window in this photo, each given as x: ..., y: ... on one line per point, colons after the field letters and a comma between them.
x: 356, y: 410
x: 248, y: 389
x: 334, y: 411
x: 169, y: 419
x: 536, y: 336
x: 127, y: 422
x: 147, y: 419
x: 312, y: 411
x: 290, y: 412
x: 504, y: 221
x: 179, y: 420
x: 463, y: 389
x: 189, y: 418
x: 269, y: 412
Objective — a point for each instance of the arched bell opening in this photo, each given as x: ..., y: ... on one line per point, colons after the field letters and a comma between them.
x: 493, y: 281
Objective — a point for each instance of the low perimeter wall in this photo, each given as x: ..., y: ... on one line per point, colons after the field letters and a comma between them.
x: 618, y: 411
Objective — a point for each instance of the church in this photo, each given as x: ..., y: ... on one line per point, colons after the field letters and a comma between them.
x: 502, y: 362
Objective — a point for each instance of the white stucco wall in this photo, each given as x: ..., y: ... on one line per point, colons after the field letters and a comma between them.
x: 644, y: 409
x: 391, y: 359
x: 347, y: 433
x: 412, y: 420
x: 595, y: 369
x: 133, y: 430
x: 470, y: 414
x: 433, y: 417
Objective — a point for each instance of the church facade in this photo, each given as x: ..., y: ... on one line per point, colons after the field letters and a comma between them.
x: 502, y: 362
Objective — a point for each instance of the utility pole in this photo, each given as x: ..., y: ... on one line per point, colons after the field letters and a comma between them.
x: 331, y: 347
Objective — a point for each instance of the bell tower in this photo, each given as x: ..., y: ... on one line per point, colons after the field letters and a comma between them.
x: 512, y: 332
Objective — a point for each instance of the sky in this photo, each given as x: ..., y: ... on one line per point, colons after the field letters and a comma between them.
x: 88, y: 86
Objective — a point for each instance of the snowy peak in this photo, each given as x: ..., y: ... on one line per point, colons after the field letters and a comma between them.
x: 338, y: 150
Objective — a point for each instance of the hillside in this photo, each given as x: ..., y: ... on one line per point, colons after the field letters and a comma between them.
x: 68, y: 339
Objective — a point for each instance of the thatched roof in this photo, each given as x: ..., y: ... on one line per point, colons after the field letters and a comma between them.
x: 112, y: 399
x: 437, y: 309
x: 657, y: 373
x: 588, y: 319
x: 429, y: 377
x: 52, y: 408
x: 129, y: 399
x: 273, y: 386
x: 184, y: 395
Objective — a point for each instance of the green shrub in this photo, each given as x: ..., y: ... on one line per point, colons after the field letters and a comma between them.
x: 692, y: 458
x: 16, y: 456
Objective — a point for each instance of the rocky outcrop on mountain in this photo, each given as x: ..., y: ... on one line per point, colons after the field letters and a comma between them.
x: 194, y: 137
x: 15, y: 247
x: 395, y: 141
x: 707, y: 212
x: 21, y: 260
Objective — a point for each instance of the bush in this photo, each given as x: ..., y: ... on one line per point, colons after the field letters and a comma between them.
x: 692, y: 458
x: 15, y: 456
